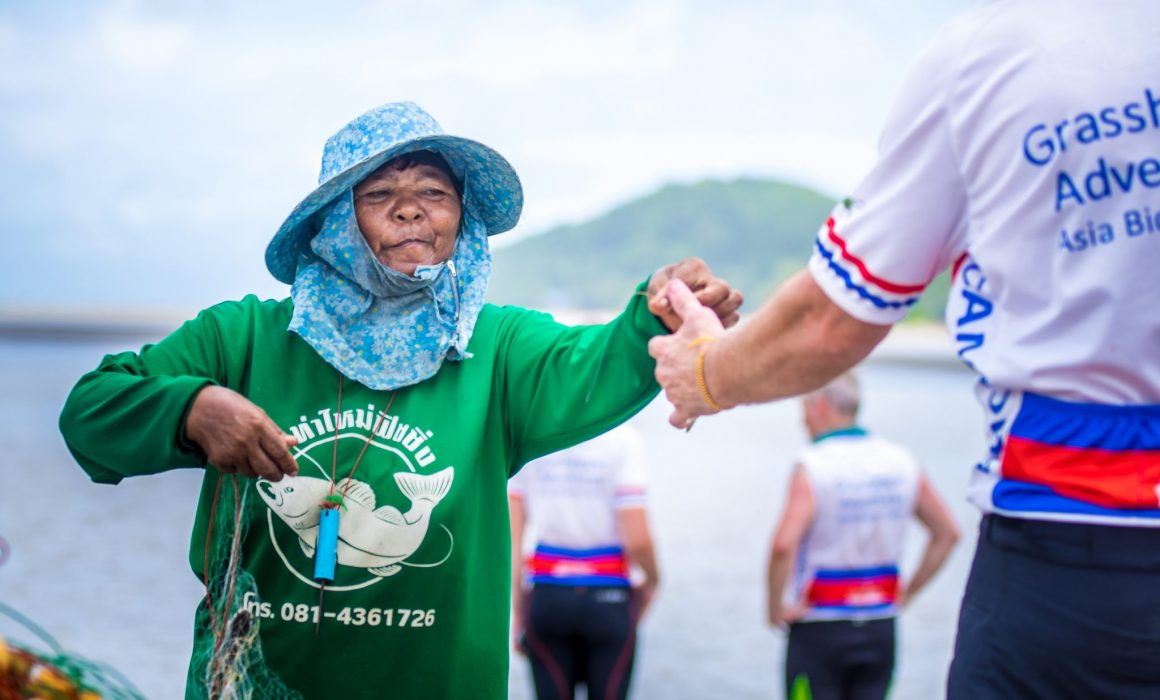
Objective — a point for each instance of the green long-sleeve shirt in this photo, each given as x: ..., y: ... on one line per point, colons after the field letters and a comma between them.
x: 419, y: 604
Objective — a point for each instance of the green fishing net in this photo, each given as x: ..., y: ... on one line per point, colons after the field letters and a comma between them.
x: 228, y: 664
x: 44, y: 669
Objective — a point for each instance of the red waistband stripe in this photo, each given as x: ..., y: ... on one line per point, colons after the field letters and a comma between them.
x: 603, y: 566
x: 1108, y: 456
x: 853, y: 589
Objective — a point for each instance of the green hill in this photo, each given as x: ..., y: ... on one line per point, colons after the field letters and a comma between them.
x: 753, y: 232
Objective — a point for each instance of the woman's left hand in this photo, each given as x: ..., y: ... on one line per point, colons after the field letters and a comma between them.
x: 712, y: 291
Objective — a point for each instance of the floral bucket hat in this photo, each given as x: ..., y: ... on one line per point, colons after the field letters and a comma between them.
x: 492, y: 190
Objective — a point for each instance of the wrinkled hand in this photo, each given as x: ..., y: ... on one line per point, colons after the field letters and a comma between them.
x: 238, y: 437
x: 676, y: 354
x: 711, y: 291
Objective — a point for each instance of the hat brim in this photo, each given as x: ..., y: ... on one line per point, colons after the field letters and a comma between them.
x: 491, y: 188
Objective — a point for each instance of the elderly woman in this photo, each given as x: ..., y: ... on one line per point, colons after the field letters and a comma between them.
x: 382, y: 409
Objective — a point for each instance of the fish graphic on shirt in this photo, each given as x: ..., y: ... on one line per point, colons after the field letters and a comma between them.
x: 376, y: 539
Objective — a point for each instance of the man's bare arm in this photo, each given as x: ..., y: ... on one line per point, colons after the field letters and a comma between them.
x: 796, y: 342
x: 519, y: 518
x: 795, y: 521
x: 638, y: 545
x: 944, y: 535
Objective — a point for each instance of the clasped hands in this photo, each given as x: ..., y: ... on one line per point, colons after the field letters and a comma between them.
x: 697, y: 306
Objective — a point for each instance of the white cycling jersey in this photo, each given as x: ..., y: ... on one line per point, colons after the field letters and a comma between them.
x: 1024, y: 154
x: 864, y: 490
x: 572, y: 498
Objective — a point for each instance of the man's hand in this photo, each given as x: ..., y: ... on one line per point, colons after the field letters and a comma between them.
x: 519, y: 625
x: 643, y: 594
x: 676, y: 354
x: 238, y: 437
x: 710, y: 291
x: 519, y: 635
x: 784, y: 616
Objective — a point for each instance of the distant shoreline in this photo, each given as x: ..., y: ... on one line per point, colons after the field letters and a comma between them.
x: 920, y: 344
x: 51, y: 323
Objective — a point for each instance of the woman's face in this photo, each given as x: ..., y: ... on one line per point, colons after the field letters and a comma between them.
x: 408, y: 217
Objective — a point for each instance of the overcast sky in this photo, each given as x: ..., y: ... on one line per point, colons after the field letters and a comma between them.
x: 149, y: 150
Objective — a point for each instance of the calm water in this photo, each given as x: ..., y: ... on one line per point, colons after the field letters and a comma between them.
x: 104, y: 570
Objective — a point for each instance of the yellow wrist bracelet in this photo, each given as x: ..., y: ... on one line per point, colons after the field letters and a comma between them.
x: 701, y: 385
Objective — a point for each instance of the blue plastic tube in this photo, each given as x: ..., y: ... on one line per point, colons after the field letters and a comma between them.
x: 326, y: 549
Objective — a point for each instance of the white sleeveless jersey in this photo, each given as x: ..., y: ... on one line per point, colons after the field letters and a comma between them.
x: 864, y: 489
x: 571, y: 498
x: 1024, y: 154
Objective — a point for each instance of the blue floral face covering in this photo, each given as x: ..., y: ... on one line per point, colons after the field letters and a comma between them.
x: 378, y: 326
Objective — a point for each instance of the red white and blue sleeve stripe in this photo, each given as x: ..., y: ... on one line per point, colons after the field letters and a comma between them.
x: 851, y: 283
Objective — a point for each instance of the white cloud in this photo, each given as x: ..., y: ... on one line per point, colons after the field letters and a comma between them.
x: 139, y: 46
x: 195, y: 127
x: 637, y: 42
x: 7, y: 36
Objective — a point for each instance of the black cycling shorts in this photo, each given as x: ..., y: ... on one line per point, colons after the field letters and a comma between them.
x: 580, y: 635
x: 840, y: 659
x: 1059, y: 611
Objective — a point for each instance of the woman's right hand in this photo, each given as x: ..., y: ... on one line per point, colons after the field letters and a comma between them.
x: 238, y: 437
